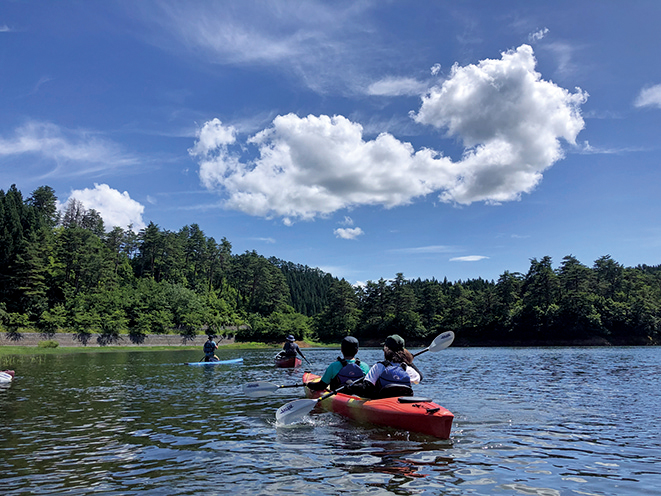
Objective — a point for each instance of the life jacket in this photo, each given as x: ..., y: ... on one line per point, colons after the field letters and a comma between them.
x: 349, y: 371
x: 290, y: 349
x: 394, y: 380
x: 209, y: 347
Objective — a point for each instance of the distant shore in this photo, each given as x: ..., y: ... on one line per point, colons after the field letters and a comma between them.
x: 68, y: 340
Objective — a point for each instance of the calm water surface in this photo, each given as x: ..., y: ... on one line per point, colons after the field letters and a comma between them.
x: 556, y: 421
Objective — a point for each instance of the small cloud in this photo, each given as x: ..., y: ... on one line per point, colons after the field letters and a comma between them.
x: 348, y: 233
x: 469, y: 258
x: 538, y: 35
x: 425, y: 249
x: 397, y: 87
x: 348, y: 221
x: 151, y: 200
x: 520, y: 236
x: 115, y: 208
x: 5, y: 29
x: 265, y: 240
x: 649, y: 97
x: 435, y: 69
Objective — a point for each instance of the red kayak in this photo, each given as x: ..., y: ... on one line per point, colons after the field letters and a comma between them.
x: 408, y: 412
x: 285, y: 362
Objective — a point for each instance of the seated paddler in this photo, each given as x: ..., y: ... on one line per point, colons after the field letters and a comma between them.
x: 345, y: 368
x: 391, y: 377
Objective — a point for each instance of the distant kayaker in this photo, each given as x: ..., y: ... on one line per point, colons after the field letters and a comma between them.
x: 345, y: 368
x: 290, y: 348
x: 209, y: 348
x: 391, y: 377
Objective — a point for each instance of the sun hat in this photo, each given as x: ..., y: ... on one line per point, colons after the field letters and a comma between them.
x: 291, y: 338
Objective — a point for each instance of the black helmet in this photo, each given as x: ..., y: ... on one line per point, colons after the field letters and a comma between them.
x: 349, y: 346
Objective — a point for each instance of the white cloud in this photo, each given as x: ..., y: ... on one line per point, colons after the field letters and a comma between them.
x: 65, y: 152
x: 425, y: 249
x: 435, y: 69
x: 5, y: 29
x: 397, y: 87
x: 115, y: 208
x: 309, y: 40
x: 649, y: 97
x: 509, y: 120
x: 348, y: 233
x: 538, y: 35
x: 347, y: 221
x: 469, y: 258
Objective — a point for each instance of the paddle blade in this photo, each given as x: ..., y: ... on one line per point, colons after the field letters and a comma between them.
x: 259, y: 389
x: 442, y: 341
x: 294, y: 411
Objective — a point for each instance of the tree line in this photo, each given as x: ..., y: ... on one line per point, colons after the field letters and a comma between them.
x: 65, y: 272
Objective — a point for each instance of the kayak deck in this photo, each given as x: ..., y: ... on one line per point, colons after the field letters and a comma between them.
x: 217, y: 362
x: 408, y: 413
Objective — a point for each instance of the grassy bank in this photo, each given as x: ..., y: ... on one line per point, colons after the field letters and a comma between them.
x: 61, y: 350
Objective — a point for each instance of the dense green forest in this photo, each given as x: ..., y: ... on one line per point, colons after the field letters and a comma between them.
x: 65, y: 272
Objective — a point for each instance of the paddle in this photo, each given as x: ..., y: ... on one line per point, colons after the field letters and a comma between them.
x: 297, y: 409
x: 262, y: 388
x: 441, y: 342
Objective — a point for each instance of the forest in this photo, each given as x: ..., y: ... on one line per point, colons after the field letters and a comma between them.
x: 64, y: 272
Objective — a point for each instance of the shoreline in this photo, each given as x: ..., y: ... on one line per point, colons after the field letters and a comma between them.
x: 95, y: 340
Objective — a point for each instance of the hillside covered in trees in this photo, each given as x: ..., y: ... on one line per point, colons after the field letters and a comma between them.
x: 66, y: 273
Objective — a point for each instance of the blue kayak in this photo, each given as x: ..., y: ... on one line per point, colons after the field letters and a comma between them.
x: 217, y: 362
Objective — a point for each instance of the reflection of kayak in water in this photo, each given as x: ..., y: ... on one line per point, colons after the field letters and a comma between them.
x: 410, y: 413
x: 284, y: 361
x: 217, y: 362
x: 6, y: 376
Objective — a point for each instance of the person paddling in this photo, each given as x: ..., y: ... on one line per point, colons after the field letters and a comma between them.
x: 209, y: 348
x: 345, y: 368
x: 391, y: 377
x: 290, y: 348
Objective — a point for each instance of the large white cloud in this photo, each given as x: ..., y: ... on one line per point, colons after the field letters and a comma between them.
x: 115, y: 208
x: 509, y: 120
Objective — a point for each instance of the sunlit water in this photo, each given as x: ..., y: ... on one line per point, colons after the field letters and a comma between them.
x: 527, y: 422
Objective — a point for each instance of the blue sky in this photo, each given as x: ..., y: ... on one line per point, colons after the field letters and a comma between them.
x: 437, y: 139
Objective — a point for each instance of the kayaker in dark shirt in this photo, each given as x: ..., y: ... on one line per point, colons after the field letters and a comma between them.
x: 391, y: 377
x: 290, y: 348
x: 343, y: 369
x: 209, y: 348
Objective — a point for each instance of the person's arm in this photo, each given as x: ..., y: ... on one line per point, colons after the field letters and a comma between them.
x: 413, y: 373
x: 316, y: 385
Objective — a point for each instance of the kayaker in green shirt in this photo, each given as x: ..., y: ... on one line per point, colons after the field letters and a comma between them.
x: 345, y: 368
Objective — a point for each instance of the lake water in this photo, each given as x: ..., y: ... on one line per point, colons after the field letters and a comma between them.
x: 554, y: 421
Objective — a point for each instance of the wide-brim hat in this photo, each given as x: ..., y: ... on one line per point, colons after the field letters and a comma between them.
x: 291, y: 338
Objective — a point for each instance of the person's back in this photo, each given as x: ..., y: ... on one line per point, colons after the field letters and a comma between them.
x: 391, y: 377
x: 209, y: 348
x: 290, y: 348
x: 344, y: 369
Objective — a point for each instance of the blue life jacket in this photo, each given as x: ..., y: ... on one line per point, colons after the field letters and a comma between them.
x: 349, y: 371
x: 395, y: 380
